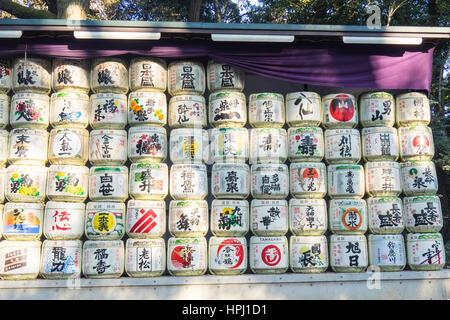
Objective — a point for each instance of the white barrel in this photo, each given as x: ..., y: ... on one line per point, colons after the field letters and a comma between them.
x: 419, y: 178
x: 147, y: 144
x: 148, y: 181
x: 269, y: 217
x: 229, y: 144
x: 19, y: 260
x: 64, y: 220
x: 22, y: 221
x: 308, y: 217
x: 30, y: 110
x: 268, y: 145
x: 412, y: 109
x: 383, y: 179
x: 342, y: 146
x: 188, y: 218
x: 145, y: 257
x: 187, y: 256
x: 416, y: 143
x: 269, y: 181
x: 28, y: 146
x: 345, y: 181
x: 4, y: 141
x: 269, y: 255
x: 147, y: 74
x: 380, y: 144
x: 303, y: 109
x: 68, y: 146
x: 308, y: 179
x: 305, y: 144
x: 146, y: 219
x: 108, y: 147
x: 222, y: 76
x: 2, y: 186
x: 61, y: 259
x: 266, y: 110
x: 69, y: 109
x: 227, y: 109
x: 186, y: 77
x: 109, y: 74
x: 147, y: 108
x: 308, y: 254
x: 5, y: 106
x: 386, y: 215
x: 347, y: 216
x: 108, y: 183
x: 348, y: 253
x: 425, y: 251
x: 387, y: 251
x: 229, y: 218
x: 68, y: 183
x: 70, y: 75
x: 5, y: 75
x: 189, y: 145
x: 423, y: 214
x: 103, y: 258
x: 188, y: 182
x: 377, y: 109
x: 227, y: 255
x: 230, y: 180
x: 32, y: 75
x: 105, y: 220
x: 339, y: 111
x: 187, y: 110
x: 108, y: 110
x: 26, y: 183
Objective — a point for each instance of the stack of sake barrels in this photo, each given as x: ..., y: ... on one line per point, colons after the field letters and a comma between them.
x: 5, y: 87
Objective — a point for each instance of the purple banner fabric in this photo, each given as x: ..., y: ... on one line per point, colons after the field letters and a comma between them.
x: 322, y: 64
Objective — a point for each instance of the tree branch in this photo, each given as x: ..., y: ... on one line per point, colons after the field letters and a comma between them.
x: 23, y: 12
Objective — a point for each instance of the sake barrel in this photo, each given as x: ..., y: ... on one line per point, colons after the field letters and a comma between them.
x: 22, y: 221
x: 28, y: 146
x: 412, y: 109
x: 308, y: 179
x: 416, y: 143
x: 108, y: 110
x: 188, y: 182
x: 230, y: 180
x: 339, y: 111
x: 308, y: 254
x: 347, y: 216
x: 105, y: 220
x: 266, y: 109
x: 268, y: 145
x: 5, y: 76
x: 19, y: 260
x: 386, y: 215
x: 223, y: 76
x: 148, y: 74
x: 425, y: 251
x: 345, y: 181
x: 103, y: 258
x: 380, y: 144
x: 229, y: 218
x: 189, y: 145
x: 30, y: 110
x: 109, y: 74
x: 377, y: 109
x: 186, y: 77
x: 269, y: 181
x: 269, y: 217
x: 4, y: 141
x: 423, y: 214
x: 32, y: 75
x: 145, y: 257
x: 71, y: 75
x: 342, y: 146
x: 68, y: 183
x: 5, y: 106
x: 348, y: 253
x: 188, y: 218
x: 108, y: 183
x: 148, y: 181
x: 303, y: 109
x: 387, y: 251
x: 146, y: 219
x: 227, y: 109
x: 147, y: 144
x: 268, y: 255
x: 147, y: 108
x: 108, y: 147
x: 229, y: 145
x: 305, y: 144
x: 61, y: 259
x: 26, y: 183
x: 308, y: 217
x: 69, y: 109
x: 187, y: 110
x: 68, y: 146
x: 187, y: 256
x: 227, y: 255
x: 383, y: 178
x: 2, y: 186
x: 64, y: 220
x: 419, y: 178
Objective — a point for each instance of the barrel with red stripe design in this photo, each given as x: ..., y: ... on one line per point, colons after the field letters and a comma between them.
x: 146, y: 219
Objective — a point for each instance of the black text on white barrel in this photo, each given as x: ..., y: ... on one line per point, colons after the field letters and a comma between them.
x: 103, y: 258
x: 305, y: 144
x: 32, y: 75
x: 308, y: 180
x: 425, y: 251
x: 339, y: 111
x: 380, y: 144
x: 342, y: 146
x: 227, y: 255
x: 30, y: 110
x: 347, y: 216
x: 188, y: 181
x: 229, y: 145
x: 26, y: 183
x: 148, y: 74
x: 268, y: 145
x: 29, y: 255
x: 230, y: 180
x: 412, y: 109
x: 105, y: 220
x: 419, y: 178
x: 61, y: 259
x: 269, y: 217
x: 68, y: 183
x: 223, y: 76
x: 423, y: 214
x: 147, y: 144
x: 227, y: 109
x: 148, y: 181
x: 187, y: 110
x: 308, y: 254
x: 187, y: 256
x: 64, y: 220
x: 71, y: 75
x: 303, y: 109
x: 189, y: 145
x: 377, y: 109
x: 145, y: 257
x: 345, y: 181
x: 387, y: 251
x: 229, y: 217
x: 266, y: 110
x: 27, y: 146
x: 269, y: 181
x: 146, y: 219
x: 109, y: 183
x: 109, y: 74
x: 69, y: 146
x: 147, y: 108
x: 108, y: 110
x: 6, y: 78
x: 416, y: 143
x: 188, y: 218
x: 107, y: 147
x: 383, y: 178
x: 23, y: 221
x: 386, y: 215
x: 69, y: 109
x: 308, y: 217
x: 268, y: 255
x: 348, y: 253
x: 186, y: 77
x: 5, y: 106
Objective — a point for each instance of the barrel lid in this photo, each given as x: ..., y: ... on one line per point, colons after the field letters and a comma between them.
x: 308, y: 94
x: 334, y: 95
x: 70, y: 95
x: 121, y: 169
x: 137, y: 165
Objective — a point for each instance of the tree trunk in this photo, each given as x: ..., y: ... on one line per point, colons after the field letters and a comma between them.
x: 23, y: 12
x: 73, y: 9
x: 194, y: 10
